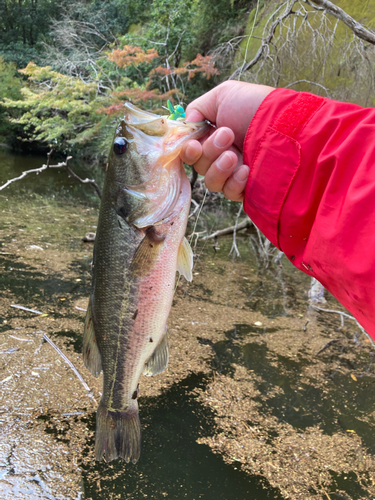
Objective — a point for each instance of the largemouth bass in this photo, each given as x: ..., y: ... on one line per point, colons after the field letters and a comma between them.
x: 139, y: 245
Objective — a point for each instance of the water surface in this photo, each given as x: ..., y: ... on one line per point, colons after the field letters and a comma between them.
x: 246, y: 408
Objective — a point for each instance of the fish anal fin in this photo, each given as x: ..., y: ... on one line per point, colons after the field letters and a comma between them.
x: 91, y: 354
x: 158, y: 361
x: 118, y: 434
x: 185, y: 260
x: 147, y: 253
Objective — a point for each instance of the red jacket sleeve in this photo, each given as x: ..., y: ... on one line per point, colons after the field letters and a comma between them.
x: 311, y: 191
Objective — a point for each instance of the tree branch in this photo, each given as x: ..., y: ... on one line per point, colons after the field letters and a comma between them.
x: 265, y: 41
x: 63, y: 164
x: 229, y: 230
x: 311, y: 83
x: 70, y: 172
x: 357, y: 28
x: 345, y: 315
x: 234, y: 248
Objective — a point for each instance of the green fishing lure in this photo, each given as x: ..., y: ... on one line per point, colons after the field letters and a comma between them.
x: 177, y: 112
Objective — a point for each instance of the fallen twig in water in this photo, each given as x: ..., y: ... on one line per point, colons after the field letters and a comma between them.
x: 81, y: 309
x: 68, y: 362
x: 22, y: 340
x: 345, y: 315
x: 26, y: 309
x: 10, y: 350
x: 328, y: 344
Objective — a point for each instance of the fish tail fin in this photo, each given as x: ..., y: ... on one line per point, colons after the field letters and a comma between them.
x: 118, y: 434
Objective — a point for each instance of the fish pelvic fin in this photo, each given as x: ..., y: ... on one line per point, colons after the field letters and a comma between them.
x: 91, y: 354
x: 185, y: 260
x: 158, y: 361
x: 147, y: 254
x: 118, y: 434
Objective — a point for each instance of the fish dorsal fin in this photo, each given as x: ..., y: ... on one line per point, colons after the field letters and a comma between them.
x: 185, y: 260
x: 91, y: 354
x: 147, y: 253
x: 158, y: 361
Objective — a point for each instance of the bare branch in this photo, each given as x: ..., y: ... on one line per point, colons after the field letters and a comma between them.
x: 70, y: 172
x: 234, y: 249
x: 27, y: 172
x: 283, y: 52
x: 195, y: 209
x: 266, y: 41
x: 311, y: 83
x: 229, y: 230
x: 354, y: 25
x: 63, y: 164
x: 345, y: 315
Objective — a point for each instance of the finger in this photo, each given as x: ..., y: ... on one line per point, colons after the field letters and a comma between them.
x: 194, y: 116
x: 203, y: 108
x: 191, y: 152
x: 235, y: 185
x: 213, y: 147
x: 220, y: 171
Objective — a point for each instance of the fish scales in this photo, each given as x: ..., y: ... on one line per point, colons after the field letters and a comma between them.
x: 138, y: 248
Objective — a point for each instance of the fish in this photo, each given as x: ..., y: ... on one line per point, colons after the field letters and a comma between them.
x: 140, y: 244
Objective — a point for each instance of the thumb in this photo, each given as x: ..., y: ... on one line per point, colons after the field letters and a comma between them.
x: 203, y: 108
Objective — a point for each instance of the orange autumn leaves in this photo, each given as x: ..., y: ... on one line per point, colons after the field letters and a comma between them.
x: 132, y: 54
x: 159, y: 77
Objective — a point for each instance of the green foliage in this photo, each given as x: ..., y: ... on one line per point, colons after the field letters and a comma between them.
x: 10, y: 84
x: 217, y: 21
x: 57, y: 109
x: 10, y: 87
x: 75, y: 86
x: 71, y: 113
x: 89, y: 56
x: 22, y: 26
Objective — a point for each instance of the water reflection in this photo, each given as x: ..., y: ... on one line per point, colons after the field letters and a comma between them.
x: 172, y: 464
x: 53, y: 182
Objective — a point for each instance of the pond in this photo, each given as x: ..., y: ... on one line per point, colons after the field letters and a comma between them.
x: 263, y: 398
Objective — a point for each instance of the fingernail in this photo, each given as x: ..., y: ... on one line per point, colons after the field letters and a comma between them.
x: 225, y: 161
x: 194, y: 115
x: 190, y: 152
x: 222, y: 138
x: 242, y: 173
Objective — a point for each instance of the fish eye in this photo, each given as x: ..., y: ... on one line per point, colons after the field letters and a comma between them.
x: 120, y: 145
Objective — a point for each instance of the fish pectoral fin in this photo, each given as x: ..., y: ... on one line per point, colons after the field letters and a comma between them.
x: 91, y: 354
x: 147, y: 254
x: 185, y: 260
x: 158, y: 362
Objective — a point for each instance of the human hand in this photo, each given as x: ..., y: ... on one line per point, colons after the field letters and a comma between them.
x: 231, y: 107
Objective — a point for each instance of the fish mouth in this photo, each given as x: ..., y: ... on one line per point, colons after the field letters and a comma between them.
x: 174, y: 132
x: 157, y: 141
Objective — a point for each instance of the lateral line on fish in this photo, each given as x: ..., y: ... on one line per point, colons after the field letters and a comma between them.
x: 125, y: 305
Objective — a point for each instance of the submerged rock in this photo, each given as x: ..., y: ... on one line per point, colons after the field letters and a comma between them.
x: 89, y: 238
